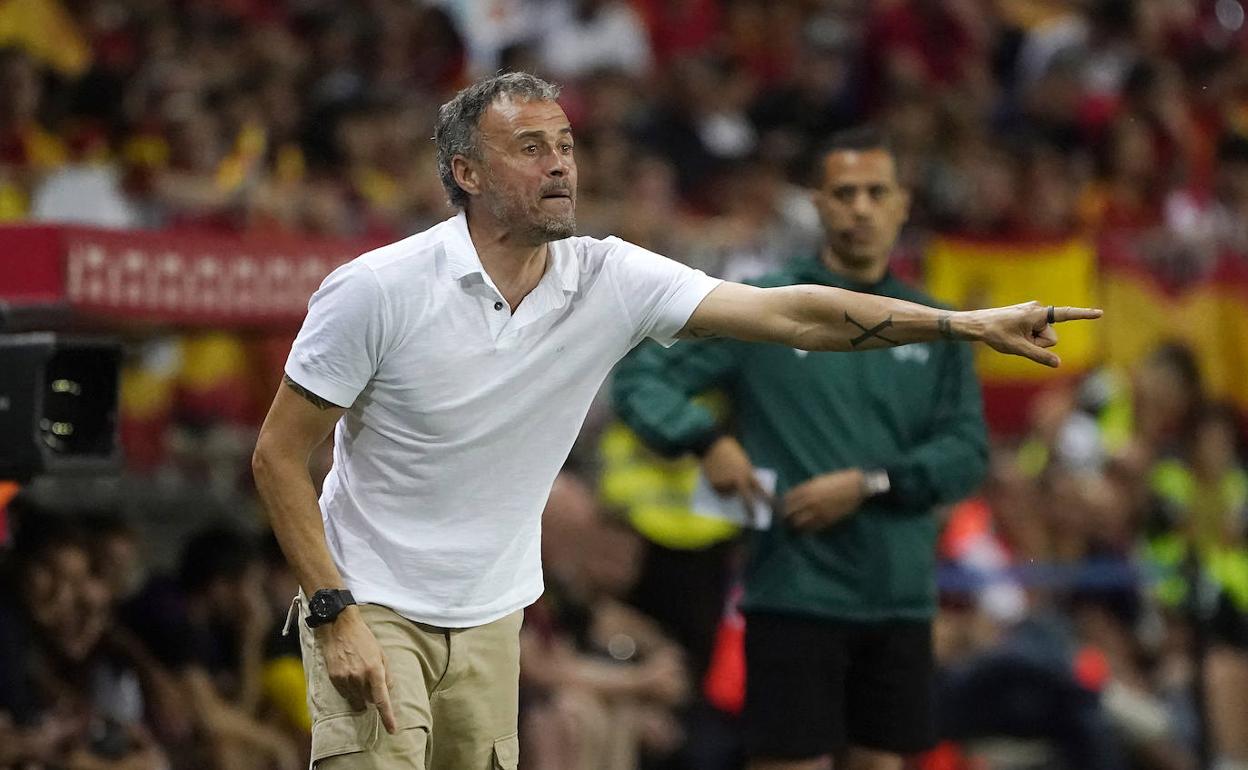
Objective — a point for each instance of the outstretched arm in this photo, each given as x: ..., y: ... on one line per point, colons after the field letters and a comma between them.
x: 827, y: 318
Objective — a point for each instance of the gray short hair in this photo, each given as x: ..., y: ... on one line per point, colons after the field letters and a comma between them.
x: 456, y: 131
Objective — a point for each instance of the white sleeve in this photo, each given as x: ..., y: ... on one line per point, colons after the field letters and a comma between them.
x: 659, y: 294
x: 340, y: 344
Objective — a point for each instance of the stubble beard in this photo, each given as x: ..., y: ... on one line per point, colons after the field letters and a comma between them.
x: 553, y: 227
x: 857, y: 256
x: 532, y: 224
x: 857, y: 259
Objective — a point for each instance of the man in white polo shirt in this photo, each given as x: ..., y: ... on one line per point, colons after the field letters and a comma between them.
x: 457, y: 366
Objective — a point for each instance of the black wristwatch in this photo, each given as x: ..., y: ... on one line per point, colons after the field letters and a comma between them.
x: 326, y: 605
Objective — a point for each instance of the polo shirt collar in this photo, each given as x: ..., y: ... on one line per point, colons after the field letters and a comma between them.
x: 461, y: 255
x: 563, y: 262
x: 462, y: 259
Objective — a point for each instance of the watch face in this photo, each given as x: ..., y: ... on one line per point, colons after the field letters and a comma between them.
x: 321, y: 606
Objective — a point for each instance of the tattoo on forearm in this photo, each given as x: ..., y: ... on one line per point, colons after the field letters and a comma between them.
x: 945, y: 325
x: 874, y: 331
x: 311, y: 397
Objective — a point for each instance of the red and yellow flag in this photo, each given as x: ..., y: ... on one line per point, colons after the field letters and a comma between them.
x: 1209, y: 314
x: 973, y: 273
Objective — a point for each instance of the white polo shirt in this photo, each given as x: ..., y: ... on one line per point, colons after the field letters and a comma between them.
x: 461, y: 412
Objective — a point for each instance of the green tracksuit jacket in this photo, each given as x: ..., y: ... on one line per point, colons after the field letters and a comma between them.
x: 913, y: 410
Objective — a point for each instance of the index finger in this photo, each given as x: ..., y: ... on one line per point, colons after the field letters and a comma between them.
x: 380, y: 696
x: 1076, y: 314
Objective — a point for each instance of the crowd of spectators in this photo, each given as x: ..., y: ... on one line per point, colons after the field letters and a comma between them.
x: 694, y: 119
x: 1114, y: 535
x: 1095, y: 592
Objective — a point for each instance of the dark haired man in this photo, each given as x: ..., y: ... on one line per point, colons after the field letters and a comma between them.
x: 457, y: 366
x: 840, y: 593
x: 208, y: 628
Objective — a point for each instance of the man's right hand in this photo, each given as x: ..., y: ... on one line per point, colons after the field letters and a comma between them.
x: 356, y: 664
x: 1024, y: 330
x: 729, y: 471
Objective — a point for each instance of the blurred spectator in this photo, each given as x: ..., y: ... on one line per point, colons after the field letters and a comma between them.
x: 702, y: 121
x: 1197, y: 536
x: 27, y: 149
x: 87, y: 190
x: 1025, y: 685
x: 835, y: 628
x: 686, y: 564
x: 1129, y: 419
x: 797, y: 114
x: 599, y: 679
x: 681, y: 28
x: 115, y: 556
x: 1205, y: 489
x: 580, y: 37
x: 1127, y: 192
x: 70, y: 694
x: 211, y: 628
x: 1215, y: 221
x: 911, y: 45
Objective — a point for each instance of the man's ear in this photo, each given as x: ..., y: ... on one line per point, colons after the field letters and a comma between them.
x: 466, y: 174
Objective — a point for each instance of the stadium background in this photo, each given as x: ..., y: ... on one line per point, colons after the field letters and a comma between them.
x: 180, y: 175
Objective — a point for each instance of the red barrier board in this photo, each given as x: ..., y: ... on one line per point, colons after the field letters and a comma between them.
x: 183, y: 278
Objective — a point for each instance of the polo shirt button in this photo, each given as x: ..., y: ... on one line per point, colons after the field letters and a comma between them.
x: 498, y: 306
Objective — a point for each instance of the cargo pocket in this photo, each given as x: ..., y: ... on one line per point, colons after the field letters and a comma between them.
x: 507, y: 752
x: 344, y: 734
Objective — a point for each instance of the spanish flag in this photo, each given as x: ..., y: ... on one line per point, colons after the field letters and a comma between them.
x: 1207, y: 312
x: 975, y: 273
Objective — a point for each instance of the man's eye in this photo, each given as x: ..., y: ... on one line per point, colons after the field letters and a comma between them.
x: 566, y: 149
x: 530, y: 149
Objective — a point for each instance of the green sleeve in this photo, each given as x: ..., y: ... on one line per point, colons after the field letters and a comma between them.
x: 952, y: 462
x: 653, y: 390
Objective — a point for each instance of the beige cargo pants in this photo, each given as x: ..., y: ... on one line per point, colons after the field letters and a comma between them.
x: 455, y: 698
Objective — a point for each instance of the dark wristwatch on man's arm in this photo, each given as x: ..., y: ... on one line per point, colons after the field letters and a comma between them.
x: 326, y: 605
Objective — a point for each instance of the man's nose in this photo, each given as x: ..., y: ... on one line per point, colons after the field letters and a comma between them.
x: 559, y: 165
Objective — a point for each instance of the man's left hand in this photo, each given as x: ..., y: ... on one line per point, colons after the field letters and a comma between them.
x: 824, y: 500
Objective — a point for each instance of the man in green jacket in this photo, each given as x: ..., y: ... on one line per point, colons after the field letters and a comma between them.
x: 840, y: 590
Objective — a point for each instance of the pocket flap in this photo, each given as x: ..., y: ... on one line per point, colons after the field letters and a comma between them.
x: 507, y: 752
x: 344, y: 734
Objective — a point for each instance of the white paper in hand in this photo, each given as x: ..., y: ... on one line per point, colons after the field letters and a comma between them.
x: 731, y: 508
